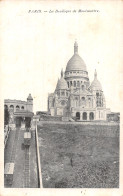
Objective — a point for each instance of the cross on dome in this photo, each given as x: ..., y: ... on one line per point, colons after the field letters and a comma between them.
x: 95, y: 74
x: 75, y: 47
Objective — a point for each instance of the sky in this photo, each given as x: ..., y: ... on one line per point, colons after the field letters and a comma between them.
x: 36, y: 46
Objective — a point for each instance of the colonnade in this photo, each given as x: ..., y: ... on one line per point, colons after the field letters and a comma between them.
x: 85, y: 116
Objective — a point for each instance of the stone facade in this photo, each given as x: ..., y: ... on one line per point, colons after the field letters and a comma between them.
x: 16, y: 105
x: 74, y: 96
x: 19, y: 110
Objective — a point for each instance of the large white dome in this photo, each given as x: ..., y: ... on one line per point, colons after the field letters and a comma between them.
x: 76, y: 63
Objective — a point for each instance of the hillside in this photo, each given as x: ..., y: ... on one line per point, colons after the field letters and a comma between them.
x: 80, y: 156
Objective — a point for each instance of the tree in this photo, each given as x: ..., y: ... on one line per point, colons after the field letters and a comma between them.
x: 6, y: 115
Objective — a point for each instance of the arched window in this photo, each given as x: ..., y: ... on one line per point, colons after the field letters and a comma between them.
x: 89, y: 102
x: 98, y: 100
x: 83, y: 87
x: 11, y: 107
x: 74, y: 83
x: 91, y: 116
x: 63, y: 93
x: 63, y: 103
x: 83, y: 98
x: 97, y: 94
x: 5, y: 106
x: 68, y: 84
x: 17, y: 107
x: 78, y: 84
x: 76, y: 101
x: 84, y: 116
x: 83, y: 102
x: 22, y: 107
x: 78, y: 115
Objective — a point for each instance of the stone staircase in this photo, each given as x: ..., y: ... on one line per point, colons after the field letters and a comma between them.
x: 15, y: 145
x: 27, y: 169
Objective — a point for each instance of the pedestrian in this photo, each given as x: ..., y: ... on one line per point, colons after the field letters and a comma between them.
x: 71, y: 161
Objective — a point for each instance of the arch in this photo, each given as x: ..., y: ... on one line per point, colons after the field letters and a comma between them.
x: 22, y: 107
x: 84, y: 115
x: 74, y: 83
x: 6, y: 106
x: 11, y: 107
x: 76, y: 101
x: 91, y: 116
x: 83, y: 87
x: 83, y: 102
x: 63, y: 93
x: 63, y: 102
x: 97, y: 94
x: 78, y: 115
x: 83, y: 98
x: 78, y: 84
x: 17, y: 107
x: 70, y: 83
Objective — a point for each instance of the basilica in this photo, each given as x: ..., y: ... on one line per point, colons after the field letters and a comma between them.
x: 75, y: 96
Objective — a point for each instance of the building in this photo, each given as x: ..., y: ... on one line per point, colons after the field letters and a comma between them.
x: 113, y: 116
x: 21, y: 112
x: 74, y: 96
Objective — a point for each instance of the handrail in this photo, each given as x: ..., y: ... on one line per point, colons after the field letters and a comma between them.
x: 38, y: 157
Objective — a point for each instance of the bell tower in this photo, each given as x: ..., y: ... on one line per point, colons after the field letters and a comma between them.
x: 30, y: 103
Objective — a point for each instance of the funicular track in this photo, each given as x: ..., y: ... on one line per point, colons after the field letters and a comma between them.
x: 26, y: 168
x: 15, y: 145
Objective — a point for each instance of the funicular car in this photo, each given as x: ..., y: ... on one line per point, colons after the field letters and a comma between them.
x: 27, y: 138
x: 8, y: 173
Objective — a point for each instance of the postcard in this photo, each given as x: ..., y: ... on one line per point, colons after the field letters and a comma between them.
x: 61, y: 70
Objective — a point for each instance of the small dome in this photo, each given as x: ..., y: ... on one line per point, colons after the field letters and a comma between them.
x: 96, y: 85
x: 76, y: 63
x: 30, y: 97
x: 61, y: 84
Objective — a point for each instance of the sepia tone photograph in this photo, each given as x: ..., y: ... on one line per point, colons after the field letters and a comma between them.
x: 61, y: 92
x: 75, y: 143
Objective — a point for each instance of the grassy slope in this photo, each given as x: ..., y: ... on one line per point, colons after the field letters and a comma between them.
x: 94, y: 151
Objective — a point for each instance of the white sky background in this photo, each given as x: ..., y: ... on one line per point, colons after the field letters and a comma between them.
x: 34, y: 48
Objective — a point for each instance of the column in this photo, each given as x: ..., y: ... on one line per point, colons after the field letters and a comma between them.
x: 88, y: 116
x: 81, y: 116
